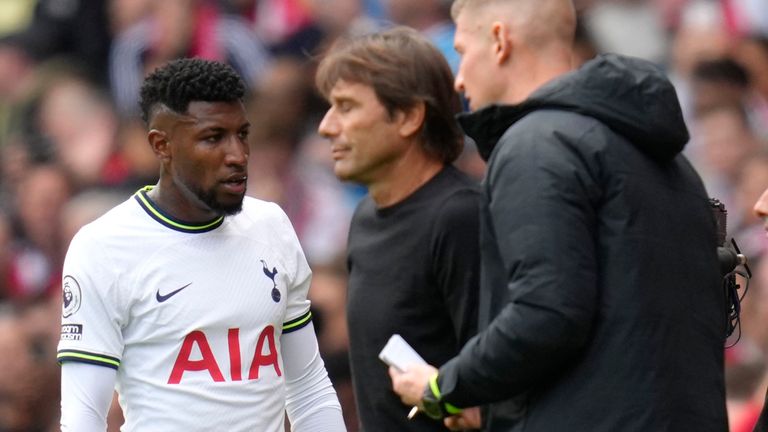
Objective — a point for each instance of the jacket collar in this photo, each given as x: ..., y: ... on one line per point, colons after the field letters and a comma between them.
x: 486, y: 125
x: 630, y: 96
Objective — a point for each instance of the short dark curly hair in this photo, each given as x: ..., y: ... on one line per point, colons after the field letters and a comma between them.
x: 181, y: 81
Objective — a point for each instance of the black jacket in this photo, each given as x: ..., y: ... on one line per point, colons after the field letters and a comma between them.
x: 601, y: 300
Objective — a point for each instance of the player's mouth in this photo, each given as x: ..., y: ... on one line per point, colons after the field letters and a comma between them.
x: 338, y: 152
x: 235, y: 183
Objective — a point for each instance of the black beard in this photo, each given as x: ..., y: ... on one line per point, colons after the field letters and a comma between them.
x: 209, y: 198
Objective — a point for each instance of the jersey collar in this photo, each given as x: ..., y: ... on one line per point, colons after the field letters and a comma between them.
x: 169, y: 221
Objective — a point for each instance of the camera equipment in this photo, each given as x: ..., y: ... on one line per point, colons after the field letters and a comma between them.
x: 732, y: 263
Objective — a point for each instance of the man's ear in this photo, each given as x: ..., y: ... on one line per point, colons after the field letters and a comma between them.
x: 158, y: 141
x: 501, y: 41
x: 411, y: 119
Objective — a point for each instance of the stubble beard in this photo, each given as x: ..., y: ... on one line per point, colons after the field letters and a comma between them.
x: 208, y: 197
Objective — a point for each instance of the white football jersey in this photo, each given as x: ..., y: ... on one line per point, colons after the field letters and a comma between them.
x: 190, y: 315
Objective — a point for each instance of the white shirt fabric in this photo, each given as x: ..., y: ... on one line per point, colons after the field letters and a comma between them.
x: 208, y: 326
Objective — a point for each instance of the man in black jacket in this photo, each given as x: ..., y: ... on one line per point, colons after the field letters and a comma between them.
x: 601, y: 305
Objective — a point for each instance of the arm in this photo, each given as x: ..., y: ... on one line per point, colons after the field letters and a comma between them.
x: 311, y: 401
x: 86, y: 393
x: 542, y: 212
x: 88, y: 367
x: 456, y: 260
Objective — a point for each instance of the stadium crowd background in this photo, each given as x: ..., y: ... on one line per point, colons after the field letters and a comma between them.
x: 72, y: 145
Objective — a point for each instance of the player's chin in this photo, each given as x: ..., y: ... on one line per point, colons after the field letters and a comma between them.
x: 230, y: 204
x: 232, y: 209
x: 345, y: 172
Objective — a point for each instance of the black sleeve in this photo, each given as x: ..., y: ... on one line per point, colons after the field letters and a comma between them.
x: 456, y: 259
x: 541, y: 209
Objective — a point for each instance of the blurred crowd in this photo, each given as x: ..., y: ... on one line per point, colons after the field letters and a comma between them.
x: 72, y: 144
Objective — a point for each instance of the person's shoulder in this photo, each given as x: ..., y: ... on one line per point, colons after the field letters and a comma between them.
x: 103, y: 230
x: 261, y: 213
x: 549, y: 136
x: 111, y: 220
x: 452, y: 183
x: 456, y: 200
x: 459, y: 179
x: 255, y: 207
x: 548, y: 120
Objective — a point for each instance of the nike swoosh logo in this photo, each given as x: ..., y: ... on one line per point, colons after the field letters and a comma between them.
x: 161, y: 298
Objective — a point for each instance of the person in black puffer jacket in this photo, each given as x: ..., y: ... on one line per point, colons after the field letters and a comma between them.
x: 601, y: 305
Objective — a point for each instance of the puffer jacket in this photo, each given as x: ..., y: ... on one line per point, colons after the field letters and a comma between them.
x: 601, y: 305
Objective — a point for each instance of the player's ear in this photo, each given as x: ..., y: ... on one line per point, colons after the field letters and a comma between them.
x: 501, y: 41
x: 411, y: 119
x: 158, y: 141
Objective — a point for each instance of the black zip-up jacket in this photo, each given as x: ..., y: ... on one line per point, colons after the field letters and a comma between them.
x: 601, y: 299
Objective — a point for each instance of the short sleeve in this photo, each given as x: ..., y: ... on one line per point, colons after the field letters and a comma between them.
x: 297, y: 313
x: 92, y: 312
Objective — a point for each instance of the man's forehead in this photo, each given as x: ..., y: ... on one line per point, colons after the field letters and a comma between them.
x: 202, y: 114
x: 207, y: 108
x: 348, y: 88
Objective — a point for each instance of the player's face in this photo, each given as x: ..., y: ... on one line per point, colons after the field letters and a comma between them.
x: 761, y: 208
x: 365, y: 140
x: 477, y: 76
x: 209, y: 162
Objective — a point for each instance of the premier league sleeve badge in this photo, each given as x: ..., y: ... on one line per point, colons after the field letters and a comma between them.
x: 72, y: 296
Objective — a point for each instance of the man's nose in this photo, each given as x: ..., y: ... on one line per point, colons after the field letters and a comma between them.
x: 761, y: 206
x: 458, y: 83
x: 328, y: 126
x: 237, y: 151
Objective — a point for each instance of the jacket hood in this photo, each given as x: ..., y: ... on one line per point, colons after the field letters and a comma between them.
x: 631, y: 96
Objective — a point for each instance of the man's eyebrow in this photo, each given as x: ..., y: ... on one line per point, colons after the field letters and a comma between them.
x: 342, y: 98
x: 213, y: 129
x: 219, y: 129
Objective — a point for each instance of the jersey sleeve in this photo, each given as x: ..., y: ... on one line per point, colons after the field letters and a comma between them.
x: 297, y: 313
x: 91, y: 319
x: 311, y: 401
x: 86, y: 393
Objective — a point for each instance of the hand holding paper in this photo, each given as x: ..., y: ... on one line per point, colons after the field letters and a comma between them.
x: 408, y: 370
x: 399, y: 354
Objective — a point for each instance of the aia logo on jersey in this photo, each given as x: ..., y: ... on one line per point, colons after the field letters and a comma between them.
x: 72, y: 296
x: 264, y: 355
x: 271, y: 275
